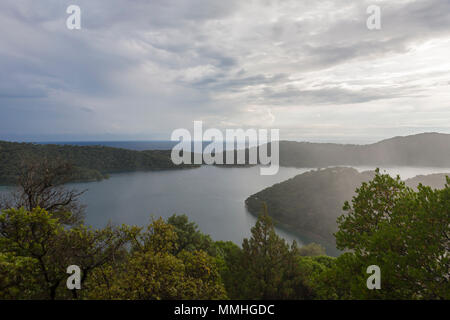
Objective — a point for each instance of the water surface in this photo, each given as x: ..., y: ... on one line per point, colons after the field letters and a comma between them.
x: 210, y: 196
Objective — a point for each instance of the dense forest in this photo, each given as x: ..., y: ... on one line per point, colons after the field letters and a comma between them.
x: 402, y: 230
x: 90, y: 162
x: 310, y: 203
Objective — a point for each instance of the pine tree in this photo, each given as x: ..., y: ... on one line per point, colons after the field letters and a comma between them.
x: 269, y: 264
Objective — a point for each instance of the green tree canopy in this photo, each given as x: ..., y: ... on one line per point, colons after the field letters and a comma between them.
x: 153, y: 272
x: 36, y: 249
x: 269, y: 268
x: 404, y: 232
x: 189, y: 236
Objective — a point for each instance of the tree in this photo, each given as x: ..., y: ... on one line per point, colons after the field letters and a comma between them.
x: 153, y: 272
x: 36, y: 249
x: 18, y: 277
x: 311, y: 269
x: 405, y: 232
x: 189, y: 237
x: 311, y: 250
x: 41, y: 184
x: 228, y: 260
x: 270, y: 265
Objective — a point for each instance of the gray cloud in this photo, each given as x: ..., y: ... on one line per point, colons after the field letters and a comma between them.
x: 330, y: 96
x: 143, y: 68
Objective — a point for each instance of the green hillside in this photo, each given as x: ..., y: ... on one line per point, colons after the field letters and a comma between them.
x: 91, y: 162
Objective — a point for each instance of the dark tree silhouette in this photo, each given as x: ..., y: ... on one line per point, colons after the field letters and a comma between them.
x: 41, y: 183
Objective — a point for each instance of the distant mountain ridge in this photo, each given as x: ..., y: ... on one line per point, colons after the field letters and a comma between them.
x: 420, y: 150
x: 425, y: 149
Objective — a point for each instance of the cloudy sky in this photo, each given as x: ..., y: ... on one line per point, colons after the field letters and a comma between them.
x: 138, y: 69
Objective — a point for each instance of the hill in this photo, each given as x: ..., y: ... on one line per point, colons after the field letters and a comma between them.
x: 310, y: 203
x: 436, y: 181
x: 426, y: 149
x: 91, y: 162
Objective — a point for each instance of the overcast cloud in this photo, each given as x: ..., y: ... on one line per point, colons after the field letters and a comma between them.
x: 139, y: 69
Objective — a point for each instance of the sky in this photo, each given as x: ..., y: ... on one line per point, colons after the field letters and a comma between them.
x: 139, y: 69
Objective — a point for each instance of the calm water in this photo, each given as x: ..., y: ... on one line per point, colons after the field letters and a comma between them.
x: 210, y: 196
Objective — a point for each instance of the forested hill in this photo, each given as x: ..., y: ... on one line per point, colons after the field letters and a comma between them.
x: 426, y: 149
x: 310, y: 203
x: 435, y: 181
x: 91, y: 162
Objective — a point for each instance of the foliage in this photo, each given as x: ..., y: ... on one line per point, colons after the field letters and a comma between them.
x: 268, y: 265
x: 36, y: 240
x: 404, y: 232
x: 152, y: 272
x: 311, y: 250
x: 91, y: 163
x: 189, y: 237
x: 228, y: 260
